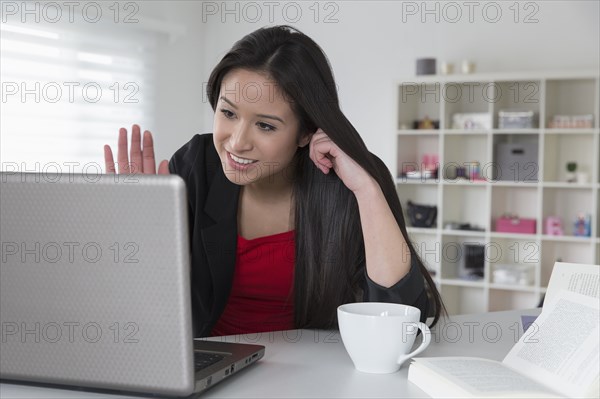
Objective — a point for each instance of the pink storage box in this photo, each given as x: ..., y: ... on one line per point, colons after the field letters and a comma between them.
x: 515, y: 225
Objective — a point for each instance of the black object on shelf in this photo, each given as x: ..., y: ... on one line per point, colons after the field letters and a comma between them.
x: 473, y: 260
x: 421, y: 215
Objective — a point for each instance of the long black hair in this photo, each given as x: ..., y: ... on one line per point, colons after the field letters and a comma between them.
x: 330, y: 250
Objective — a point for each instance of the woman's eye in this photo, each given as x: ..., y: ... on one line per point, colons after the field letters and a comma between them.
x: 228, y: 114
x: 266, y: 127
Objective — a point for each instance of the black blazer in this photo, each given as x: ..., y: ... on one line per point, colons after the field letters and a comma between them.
x: 213, y: 207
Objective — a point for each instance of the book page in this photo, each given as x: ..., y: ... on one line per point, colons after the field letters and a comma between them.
x: 575, y: 277
x: 482, y: 377
x: 562, y: 348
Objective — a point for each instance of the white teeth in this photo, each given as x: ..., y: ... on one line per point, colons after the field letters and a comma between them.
x: 241, y: 160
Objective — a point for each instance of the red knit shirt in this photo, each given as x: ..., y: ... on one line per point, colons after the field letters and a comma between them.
x: 261, y: 295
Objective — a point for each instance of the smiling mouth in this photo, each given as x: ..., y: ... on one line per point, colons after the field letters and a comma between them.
x: 242, y: 161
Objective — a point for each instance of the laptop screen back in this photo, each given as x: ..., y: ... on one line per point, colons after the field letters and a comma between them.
x: 94, y: 281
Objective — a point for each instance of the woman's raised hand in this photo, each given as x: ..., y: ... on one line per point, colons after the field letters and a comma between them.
x: 141, y: 155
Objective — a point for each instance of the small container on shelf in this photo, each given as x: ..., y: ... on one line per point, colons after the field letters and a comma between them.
x: 516, y: 162
x: 583, y: 225
x: 514, y: 224
x: 471, y: 120
x: 472, y: 261
x: 571, y: 122
x: 553, y: 226
x: 513, y: 274
x: 517, y: 119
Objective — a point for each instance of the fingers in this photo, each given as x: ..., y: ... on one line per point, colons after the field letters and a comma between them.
x: 141, y: 154
x: 122, y: 158
x: 163, y: 168
x: 148, y: 165
x: 109, y: 162
x: 320, y: 151
x: 135, y: 152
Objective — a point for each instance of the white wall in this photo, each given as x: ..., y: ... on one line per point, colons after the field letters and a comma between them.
x: 370, y: 47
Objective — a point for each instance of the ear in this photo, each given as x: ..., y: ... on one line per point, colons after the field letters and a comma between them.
x: 305, y: 139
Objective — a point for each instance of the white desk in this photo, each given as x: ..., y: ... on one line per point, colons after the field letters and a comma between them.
x: 312, y: 363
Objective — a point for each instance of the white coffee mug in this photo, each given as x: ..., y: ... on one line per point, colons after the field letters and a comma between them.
x: 378, y: 336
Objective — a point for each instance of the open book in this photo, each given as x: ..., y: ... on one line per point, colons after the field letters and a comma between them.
x: 558, y: 356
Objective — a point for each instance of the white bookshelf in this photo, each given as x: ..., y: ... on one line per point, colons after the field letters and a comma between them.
x: 481, y: 202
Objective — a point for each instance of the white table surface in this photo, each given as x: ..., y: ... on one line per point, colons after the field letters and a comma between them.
x: 314, y: 363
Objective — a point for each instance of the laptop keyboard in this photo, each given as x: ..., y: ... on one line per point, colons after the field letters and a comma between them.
x: 202, y: 359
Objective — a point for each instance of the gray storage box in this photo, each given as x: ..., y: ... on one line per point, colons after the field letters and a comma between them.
x: 516, y: 161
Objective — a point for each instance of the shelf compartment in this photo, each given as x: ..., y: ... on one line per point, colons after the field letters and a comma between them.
x: 466, y: 97
x: 517, y: 95
x: 510, y: 251
x: 465, y: 205
x: 412, y: 148
x: 563, y: 252
x: 508, y: 299
x: 463, y: 299
x: 516, y: 158
x: 559, y: 149
x: 459, y: 259
x: 567, y: 204
x: 521, y: 201
x: 570, y: 97
x: 468, y: 152
x: 417, y: 101
x: 425, y: 194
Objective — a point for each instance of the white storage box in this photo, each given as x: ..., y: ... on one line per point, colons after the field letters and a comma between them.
x: 473, y: 120
x: 513, y: 274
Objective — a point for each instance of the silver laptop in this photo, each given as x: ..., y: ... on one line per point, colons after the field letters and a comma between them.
x: 95, y: 286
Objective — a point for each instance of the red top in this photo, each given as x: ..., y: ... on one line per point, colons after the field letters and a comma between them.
x: 261, y: 295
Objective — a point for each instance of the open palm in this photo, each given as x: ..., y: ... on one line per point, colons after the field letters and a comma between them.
x: 141, y: 155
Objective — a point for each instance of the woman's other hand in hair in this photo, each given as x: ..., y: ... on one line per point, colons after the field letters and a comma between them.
x: 141, y: 155
x: 327, y: 155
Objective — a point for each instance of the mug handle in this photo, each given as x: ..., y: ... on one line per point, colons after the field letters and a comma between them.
x: 426, y: 340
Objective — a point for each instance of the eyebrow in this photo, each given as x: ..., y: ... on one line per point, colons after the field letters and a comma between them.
x: 259, y: 115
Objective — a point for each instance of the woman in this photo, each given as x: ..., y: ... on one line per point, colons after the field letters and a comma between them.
x: 290, y: 214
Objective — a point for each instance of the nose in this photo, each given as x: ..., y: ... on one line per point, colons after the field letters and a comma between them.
x: 240, y: 140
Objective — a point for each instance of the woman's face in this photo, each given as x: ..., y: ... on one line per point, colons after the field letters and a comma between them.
x: 255, y: 129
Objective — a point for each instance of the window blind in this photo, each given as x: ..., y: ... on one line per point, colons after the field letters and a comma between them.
x: 67, y: 88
